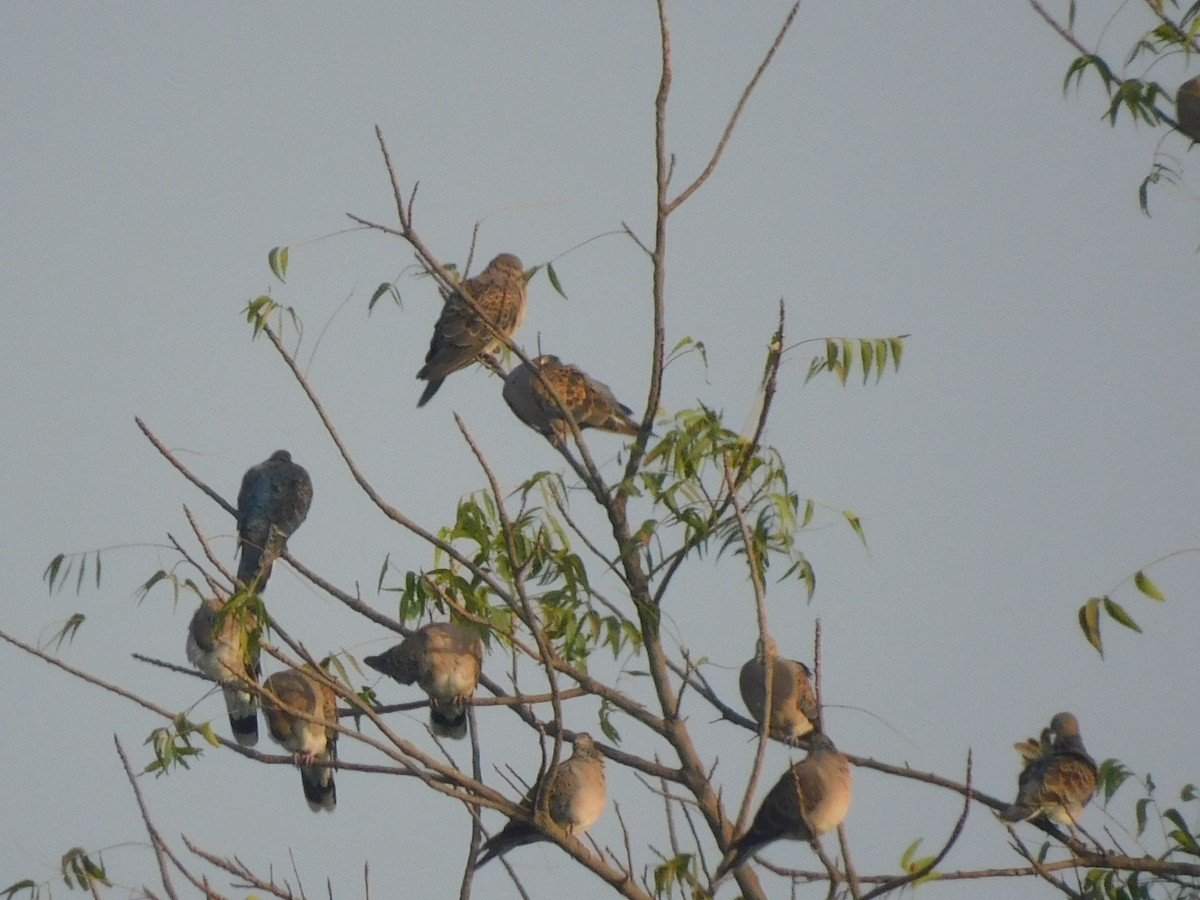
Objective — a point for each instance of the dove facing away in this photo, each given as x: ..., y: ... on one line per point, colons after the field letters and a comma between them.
x: 1059, y: 781
x: 576, y: 798
x: 220, y: 647
x: 793, y: 703
x: 461, y: 335
x: 444, y: 660
x: 1187, y: 108
x: 811, y: 798
x: 273, y: 502
x: 590, y: 402
x: 288, y: 698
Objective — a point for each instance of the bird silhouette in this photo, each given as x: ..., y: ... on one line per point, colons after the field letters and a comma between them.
x: 273, y: 502
x: 461, y: 334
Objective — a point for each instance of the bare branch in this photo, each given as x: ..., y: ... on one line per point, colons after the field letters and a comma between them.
x: 737, y: 112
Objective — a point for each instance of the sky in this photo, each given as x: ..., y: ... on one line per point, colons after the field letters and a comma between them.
x: 902, y: 168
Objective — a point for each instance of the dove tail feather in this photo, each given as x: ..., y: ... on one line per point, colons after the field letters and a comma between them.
x: 319, y: 789
x: 243, y: 716
x: 430, y: 390
x: 448, y: 721
x: 249, y: 565
x: 514, y: 834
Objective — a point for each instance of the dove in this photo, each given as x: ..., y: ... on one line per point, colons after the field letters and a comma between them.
x: 221, y: 649
x: 288, y: 698
x: 272, y: 503
x: 1187, y: 108
x: 576, y: 798
x: 1059, y: 781
x: 811, y: 798
x: 461, y: 336
x: 793, y: 703
x: 444, y: 659
x: 591, y: 403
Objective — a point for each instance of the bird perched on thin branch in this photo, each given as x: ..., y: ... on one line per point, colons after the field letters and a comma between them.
x: 1059, y: 780
x: 811, y: 798
x: 220, y: 646
x: 590, y: 402
x: 273, y: 502
x: 301, y: 711
x: 575, y: 800
x: 445, y: 660
x: 461, y: 334
x: 793, y: 702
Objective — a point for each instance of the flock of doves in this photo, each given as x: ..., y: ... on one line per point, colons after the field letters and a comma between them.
x: 444, y: 659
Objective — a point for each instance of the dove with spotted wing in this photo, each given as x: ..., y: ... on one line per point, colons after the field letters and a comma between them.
x: 461, y: 335
x: 590, y: 402
x: 1058, y: 781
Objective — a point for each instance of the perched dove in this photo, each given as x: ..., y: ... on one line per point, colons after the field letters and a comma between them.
x: 461, y: 335
x: 444, y: 660
x: 793, y: 703
x: 221, y: 649
x: 591, y: 403
x: 576, y: 799
x: 272, y: 503
x: 1187, y: 108
x: 811, y: 798
x: 288, y: 697
x: 1059, y: 781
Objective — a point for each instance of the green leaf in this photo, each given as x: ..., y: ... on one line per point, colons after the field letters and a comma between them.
x: 881, y: 358
x: 554, y: 282
x: 855, y: 524
x: 1089, y: 621
x: 277, y: 259
x: 809, y: 509
x: 897, y: 347
x: 50, y: 575
x: 16, y: 887
x: 867, y: 351
x: 1140, y: 813
x: 385, y: 288
x: 67, y: 632
x: 606, y: 726
x: 206, y: 732
x: 1143, y: 583
x: 382, y: 572
x: 1117, y: 613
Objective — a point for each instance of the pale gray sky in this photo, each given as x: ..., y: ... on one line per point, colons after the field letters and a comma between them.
x: 903, y: 168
